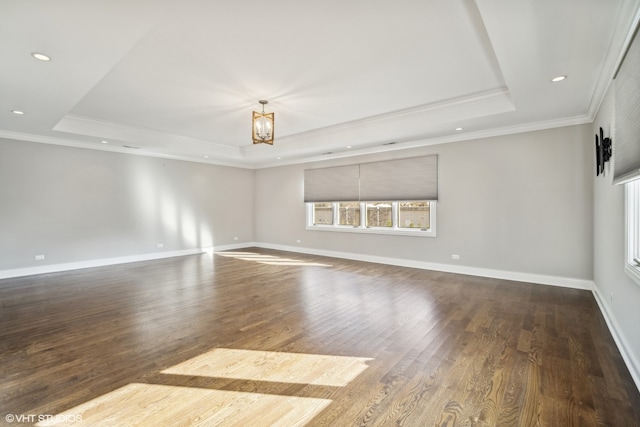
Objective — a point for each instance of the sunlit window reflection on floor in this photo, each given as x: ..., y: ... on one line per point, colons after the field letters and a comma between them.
x: 138, y: 404
x: 273, y: 366
x: 155, y: 405
x: 269, y: 259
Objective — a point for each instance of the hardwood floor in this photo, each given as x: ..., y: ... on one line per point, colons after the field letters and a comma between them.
x: 263, y: 337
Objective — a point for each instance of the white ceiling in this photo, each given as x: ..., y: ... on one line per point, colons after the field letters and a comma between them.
x: 180, y: 79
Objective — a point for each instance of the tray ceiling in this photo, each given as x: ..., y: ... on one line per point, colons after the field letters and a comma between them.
x: 180, y: 79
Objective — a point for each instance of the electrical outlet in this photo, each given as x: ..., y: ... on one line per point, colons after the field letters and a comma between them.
x: 160, y: 245
x: 235, y: 238
x: 298, y: 241
x: 455, y: 256
x: 39, y: 257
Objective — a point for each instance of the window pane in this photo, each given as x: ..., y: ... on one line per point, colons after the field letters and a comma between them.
x: 634, y: 220
x: 322, y: 214
x: 349, y: 213
x: 379, y: 214
x: 414, y: 215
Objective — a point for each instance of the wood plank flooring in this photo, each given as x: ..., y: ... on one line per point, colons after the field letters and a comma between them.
x: 260, y: 337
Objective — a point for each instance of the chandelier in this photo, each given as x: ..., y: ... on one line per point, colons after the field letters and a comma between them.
x: 262, y: 125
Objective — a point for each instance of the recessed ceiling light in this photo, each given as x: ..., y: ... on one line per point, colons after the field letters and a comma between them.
x: 458, y: 128
x: 558, y: 79
x: 41, y: 56
x: 348, y: 146
x: 206, y: 157
x: 279, y: 158
x: 18, y: 112
x: 104, y: 141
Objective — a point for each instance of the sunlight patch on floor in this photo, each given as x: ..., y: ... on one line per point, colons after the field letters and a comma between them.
x: 269, y: 259
x: 139, y: 404
x: 152, y: 404
x: 273, y: 366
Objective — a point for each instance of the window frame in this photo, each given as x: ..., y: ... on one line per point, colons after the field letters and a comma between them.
x: 632, y: 226
x: 313, y: 215
x: 394, y: 213
x: 362, y: 228
x: 336, y: 214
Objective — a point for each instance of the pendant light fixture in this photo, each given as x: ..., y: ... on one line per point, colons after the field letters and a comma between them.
x: 262, y: 125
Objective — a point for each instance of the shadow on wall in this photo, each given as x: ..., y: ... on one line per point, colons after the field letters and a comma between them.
x: 167, y: 213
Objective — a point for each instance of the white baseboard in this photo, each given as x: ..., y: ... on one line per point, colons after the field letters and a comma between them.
x: 566, y: 282
x: 629, y: 358
x: 233, y: 246
x: 448, y: 268
x: 55, y: 268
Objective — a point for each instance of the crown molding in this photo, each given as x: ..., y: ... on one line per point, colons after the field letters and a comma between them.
x: 628, y: 17
x: 423, y: 142
x: 258, y: 164
x: 114, y: 149
x: 102, y: 129
x: 383, y: 128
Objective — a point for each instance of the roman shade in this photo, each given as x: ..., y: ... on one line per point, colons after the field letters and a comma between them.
x: 414, y: 178
x: 336, y: 184
x: 626, y: 140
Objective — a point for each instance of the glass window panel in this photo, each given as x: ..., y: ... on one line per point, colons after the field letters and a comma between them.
x: 379, y: 214
x: 634, y: 221
x: 349, y: 213
x: 323, y: 214
x: 414, y: 214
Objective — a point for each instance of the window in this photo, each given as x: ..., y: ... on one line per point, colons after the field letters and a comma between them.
x: 632, y: 265
x: 412, y: 218
x: 387, y: 197
x: 349, y: 214
x: 413, y: 215
x: 322, y: 214
x: 379, y: 214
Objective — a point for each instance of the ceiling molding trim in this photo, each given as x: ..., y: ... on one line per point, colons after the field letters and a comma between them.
x: 257, y: 164
x: 138, y: 136
x: 488, y: 133
x: 466, y: 100
x: 381, y: 128
x: 115, y: 149
x: 615, y: 54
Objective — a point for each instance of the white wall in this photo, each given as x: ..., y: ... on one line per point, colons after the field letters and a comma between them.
x: 527, y: 203
x: 519, y: 203
x: 74, y: 205
x: 618, y: 295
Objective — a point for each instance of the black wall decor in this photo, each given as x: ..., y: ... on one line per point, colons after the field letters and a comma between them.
x: 603, y: 152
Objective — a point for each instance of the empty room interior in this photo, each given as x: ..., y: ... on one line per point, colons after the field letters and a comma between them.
x: 417, y: 213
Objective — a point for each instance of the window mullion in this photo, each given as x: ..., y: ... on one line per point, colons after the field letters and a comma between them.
x: 635, y: 221
x: 636, y: 214
x: 394, y: 215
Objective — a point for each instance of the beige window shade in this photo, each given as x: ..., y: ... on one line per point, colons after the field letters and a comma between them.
x: 336, y: 184
x: 626, y: 140
x: 414, y: 178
